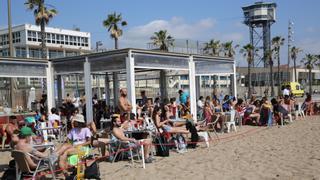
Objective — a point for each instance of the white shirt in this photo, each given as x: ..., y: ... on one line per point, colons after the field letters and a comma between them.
x: 286, y: 92
x: 52, y: 118
x: 200, y: 104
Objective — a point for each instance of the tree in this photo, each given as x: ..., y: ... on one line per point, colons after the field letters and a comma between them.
x: 247, y: 52
x: 112, y: 23
x: 162, y: 40
x: 277, y: 42
x: 214, y: 46
x: 294, y: 53
x: 42, y: 16
x: 309, y: 62
x: 228, y: 49
x: 268, y: 56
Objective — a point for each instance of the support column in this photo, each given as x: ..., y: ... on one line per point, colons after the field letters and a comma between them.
x: 131, y: 82
x: 115, y: 89
x: 163, y: 84
x: 107, y: 89
x: 234, y: 81
x: 59, y: 88
x: 50, y: 86
x: 88, y: 90
x: 192, y: 87
x: 27, y: 52
x: 198, y: 87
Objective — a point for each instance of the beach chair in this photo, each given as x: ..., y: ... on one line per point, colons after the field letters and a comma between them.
x: 210, y: 127
x: 118, y: 148
x: 232, y: 122
x: 22, y: 166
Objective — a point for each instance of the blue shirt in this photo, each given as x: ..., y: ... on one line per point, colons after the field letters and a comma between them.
x: 183, y: 98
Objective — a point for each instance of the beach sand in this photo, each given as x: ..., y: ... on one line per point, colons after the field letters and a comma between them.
x: 288, y: 152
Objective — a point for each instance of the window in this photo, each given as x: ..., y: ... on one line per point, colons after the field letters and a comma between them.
x: 78, y: 41
x: 48, y: 38
x: 66, y: 40
x: 55, y: 54
x: 35, y: 53
x: 184, y: 77
x: 21, y: 52
x: 32, y: 36
x: 39, y: 36
x: 53, y: 38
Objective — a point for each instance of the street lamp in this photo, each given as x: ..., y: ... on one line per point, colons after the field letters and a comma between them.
x: 98, y: 43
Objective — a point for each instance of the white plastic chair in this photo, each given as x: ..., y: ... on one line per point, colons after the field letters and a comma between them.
x: 300, y: 111
x: 232, y: 122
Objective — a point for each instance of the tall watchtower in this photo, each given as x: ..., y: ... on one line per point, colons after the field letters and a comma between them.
x: 259, y: 17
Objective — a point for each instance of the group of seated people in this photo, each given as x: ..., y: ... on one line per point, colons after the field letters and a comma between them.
x: 254, y: 112
x: 163, y: 114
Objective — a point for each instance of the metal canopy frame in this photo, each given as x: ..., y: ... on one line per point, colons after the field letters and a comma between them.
x: 136, y: 60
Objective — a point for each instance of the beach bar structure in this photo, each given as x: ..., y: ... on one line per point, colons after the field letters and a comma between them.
x: 130, y: 61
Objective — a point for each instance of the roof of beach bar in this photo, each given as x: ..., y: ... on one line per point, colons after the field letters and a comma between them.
x: 115, y: 60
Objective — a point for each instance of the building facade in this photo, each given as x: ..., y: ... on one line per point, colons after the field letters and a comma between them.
x: 59, y: 42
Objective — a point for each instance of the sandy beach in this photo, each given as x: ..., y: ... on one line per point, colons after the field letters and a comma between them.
x: 288, y: 152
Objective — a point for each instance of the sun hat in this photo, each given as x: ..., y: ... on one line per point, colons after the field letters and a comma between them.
x: 78, y: 118
x: 26, y: 131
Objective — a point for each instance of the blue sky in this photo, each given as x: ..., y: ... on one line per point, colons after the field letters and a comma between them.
x: 196, y: 20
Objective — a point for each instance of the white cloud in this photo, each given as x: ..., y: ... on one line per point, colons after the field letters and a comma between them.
x: 179, y: 28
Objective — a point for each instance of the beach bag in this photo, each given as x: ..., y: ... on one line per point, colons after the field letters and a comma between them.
x: 92, y: 171
x: 162, y: 148
x: 180, y: 142
x: 10, y: 173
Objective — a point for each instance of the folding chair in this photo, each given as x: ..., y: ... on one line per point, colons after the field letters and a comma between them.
x: 23, y: 167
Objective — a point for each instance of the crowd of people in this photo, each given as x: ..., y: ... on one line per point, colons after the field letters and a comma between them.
x: 163, y: 113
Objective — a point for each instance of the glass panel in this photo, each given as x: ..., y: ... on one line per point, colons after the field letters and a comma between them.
x: 160, y: 61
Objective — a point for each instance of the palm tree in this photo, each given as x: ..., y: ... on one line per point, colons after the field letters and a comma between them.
x: 268, y: 56
x: 112, y: 24
x: 247, y: 52
x: 162, y: 40
x: 229, y: 49
x: 309, y: 62
x: 294, y: 53
x: 277, y: 42
x: 214, y: 46
x: 42, y: 16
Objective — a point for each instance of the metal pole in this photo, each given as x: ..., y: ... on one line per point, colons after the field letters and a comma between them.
x: 10, y: 29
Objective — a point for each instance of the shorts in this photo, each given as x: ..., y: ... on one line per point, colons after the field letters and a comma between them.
x: 166, y: 128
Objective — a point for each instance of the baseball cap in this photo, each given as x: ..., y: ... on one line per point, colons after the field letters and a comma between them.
x: 26, y: 131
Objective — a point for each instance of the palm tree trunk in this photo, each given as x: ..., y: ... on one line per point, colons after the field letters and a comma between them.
x: 279, y: 81
x: 271, y: 77
x: 295, y: 70
x: 116, y: 43
x: 310, y: 81
x: 249, y: 80
x: 43, y: 40
x: 43, y: 33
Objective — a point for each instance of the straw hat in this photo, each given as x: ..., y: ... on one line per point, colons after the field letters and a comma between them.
x: 78, y: 118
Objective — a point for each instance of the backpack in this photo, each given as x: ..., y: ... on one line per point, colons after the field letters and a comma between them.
x: 162, y: 148
x: 180, y: 142
x: 10, y: 173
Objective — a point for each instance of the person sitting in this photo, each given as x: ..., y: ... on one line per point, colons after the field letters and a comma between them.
x: 24, y: 144
x: 118, y: 134
x: 164, y: 123
x: 308, y: 105
x: 266, y: 108
x: 79, y: 137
